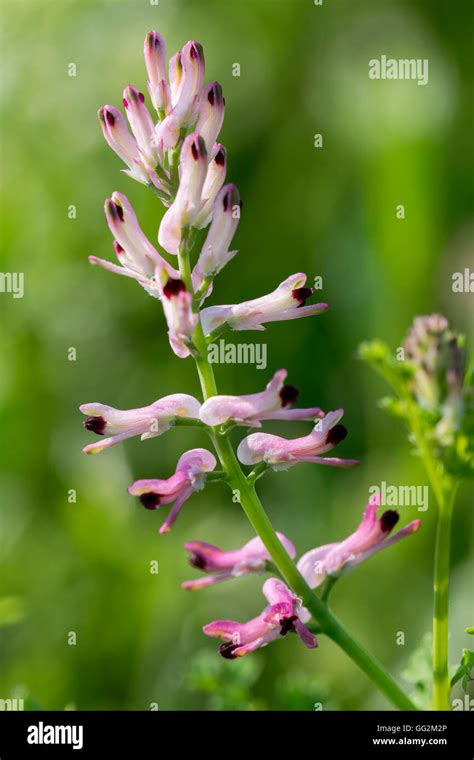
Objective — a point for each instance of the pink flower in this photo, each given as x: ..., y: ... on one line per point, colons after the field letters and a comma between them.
x: 190, y: 476
x: 282, y: 453
x: 177, y: 307
x: 211, y: 114
x: 186, y: 73
x: 371, y: 536
x: 286, y: 302
x: 155, y: 60
x: 282, y: 615
x: 142, y: 126
x: 250, y: 558
x: 274, y: 403
x: 138, y: 258
x: 215, y: 252
x: 215, y: 177
x: 188, y: 201
x: 122, y: 143
x: 147, y: 421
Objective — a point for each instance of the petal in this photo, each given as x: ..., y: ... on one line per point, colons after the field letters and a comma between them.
x: 312, y: 565
x: 211, y: 114
x: 141, y: 124
x: 155, y: 57
x: 309, y: 639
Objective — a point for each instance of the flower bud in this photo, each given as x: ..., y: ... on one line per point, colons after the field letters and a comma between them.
x: 141, y: 124
x: 211, y: 114
x: 155, y: 57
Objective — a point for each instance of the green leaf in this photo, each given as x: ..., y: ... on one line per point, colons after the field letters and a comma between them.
x: 464, y: 670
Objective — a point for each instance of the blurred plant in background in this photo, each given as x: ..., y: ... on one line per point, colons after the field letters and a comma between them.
x: 432, y: 379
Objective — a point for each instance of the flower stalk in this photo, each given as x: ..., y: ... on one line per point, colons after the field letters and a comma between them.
x: 180, y: 160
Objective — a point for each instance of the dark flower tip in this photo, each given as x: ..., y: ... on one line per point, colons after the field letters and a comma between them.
x: 388, y: 520
x: 150, y: 500
x: 301, y: 295
x: 198, y: 148
x: 153, y: 40
x: 220, y: 157
x: 336, y: 434
x: 197, y: 560
x: 196, y: 50
x: 95, y: 424
x: 288, y: 395
x: 231, y: 199
x: 116, y: 210
x: 288, y: 625
x: 109, y: 117
x: 227, y: 651
x: 125, y: 102
x: 215, y: 93
x: 173, y: 288
x: 118, y: 248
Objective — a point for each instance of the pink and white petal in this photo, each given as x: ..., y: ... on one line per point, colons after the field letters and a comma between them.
x: 207, y: 580
x: 106, y: 443
x: 312, y: 564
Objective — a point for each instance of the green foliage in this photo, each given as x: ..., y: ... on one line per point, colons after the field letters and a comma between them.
x: 238, y: 685
x: 464, y: 673
x: 12, y: 610
x: 419, y: 672
x: 225, y: 684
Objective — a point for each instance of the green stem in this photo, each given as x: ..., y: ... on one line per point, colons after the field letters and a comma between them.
x: 257, y: 516
x: 444, y: 490
x: 441, y: 681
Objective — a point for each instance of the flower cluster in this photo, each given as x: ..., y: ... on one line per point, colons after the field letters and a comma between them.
x: 316, y: 565
x: 177, y: 155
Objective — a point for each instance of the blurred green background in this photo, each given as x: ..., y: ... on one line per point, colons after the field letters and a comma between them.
x: 84, y: 567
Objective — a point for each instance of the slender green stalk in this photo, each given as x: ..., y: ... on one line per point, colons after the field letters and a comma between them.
x: 441, y: 681
x: 444, y: 490
x: 244, y: 488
